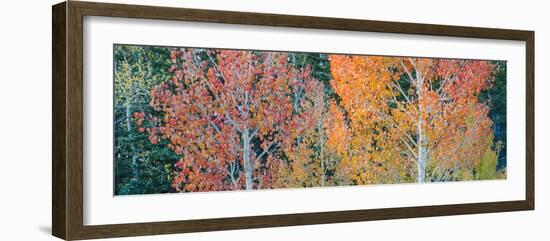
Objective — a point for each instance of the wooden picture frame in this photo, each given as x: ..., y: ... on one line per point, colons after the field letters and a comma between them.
x: 67, y: 137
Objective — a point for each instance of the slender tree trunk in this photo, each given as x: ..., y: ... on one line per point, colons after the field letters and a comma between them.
x: 246, y: 159
x: 135, y: 172
x: 422, y: 151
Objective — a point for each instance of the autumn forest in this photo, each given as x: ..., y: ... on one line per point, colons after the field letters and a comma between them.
x: 200, y: 119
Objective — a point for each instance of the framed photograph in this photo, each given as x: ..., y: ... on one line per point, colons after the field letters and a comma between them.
x: 171, y: 120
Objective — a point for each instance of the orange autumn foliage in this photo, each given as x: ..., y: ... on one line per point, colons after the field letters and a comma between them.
x: 411, y: 115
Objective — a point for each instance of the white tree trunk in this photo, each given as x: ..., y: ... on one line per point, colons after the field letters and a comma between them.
x: 246, y: 159
x: 422, y: 151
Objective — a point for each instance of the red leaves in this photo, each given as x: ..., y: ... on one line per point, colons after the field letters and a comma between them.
x: 172, y: 122
x: 154, y: 139
x: 179, y: 165
x: 172, y: 68
x: 139, y: 118
x: 205, y: 117
x: 465, y: 78
x: 173, y: 54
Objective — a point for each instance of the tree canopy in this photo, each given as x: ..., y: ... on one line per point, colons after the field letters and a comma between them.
x: 196, y: 119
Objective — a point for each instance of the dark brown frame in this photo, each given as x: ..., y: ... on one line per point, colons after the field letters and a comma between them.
x: 67, y: 123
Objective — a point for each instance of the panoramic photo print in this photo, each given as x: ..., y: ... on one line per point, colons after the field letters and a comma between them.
x: 205, y: 119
